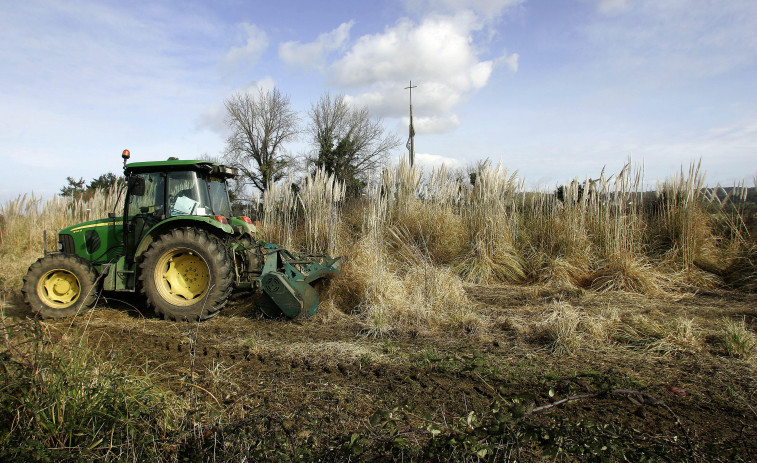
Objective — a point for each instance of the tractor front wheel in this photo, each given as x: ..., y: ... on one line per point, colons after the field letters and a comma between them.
x: 60, y: 285
x: 187, y: 275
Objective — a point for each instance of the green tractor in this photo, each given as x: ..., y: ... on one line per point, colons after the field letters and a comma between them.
x: 177, y: 243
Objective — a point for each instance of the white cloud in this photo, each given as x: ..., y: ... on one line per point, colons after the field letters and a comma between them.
x: 610, y: 6
x: 486, y: 9
x: 312, y: 55
x: 435, y: 160
x: 511, y: 61
x: 266, y: 84
x: 256, y: 41
x: 213, y: 117
x: 437, y: 54
x: 433, y: 124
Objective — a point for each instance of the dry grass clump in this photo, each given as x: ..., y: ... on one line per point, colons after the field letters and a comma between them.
x: 489, y: 261
x: 626, y: 272
x: 489, y: 211
x: 371, y: 288
x: 591, y: 236
x: 558, y: 272
x: 742, y: 270
x: 437, y: 230
x: 560, y: 326
x: 412, y: 297
x: 441, y: 292
x: 739, y: 341
x: 640, y: 330
x: 679, y: 335
x: 566, y: 328
x: 683, y: 335
x: 680, y: 225
x: 600, y: 328
x: 423, y: 216
x: 563, y: 327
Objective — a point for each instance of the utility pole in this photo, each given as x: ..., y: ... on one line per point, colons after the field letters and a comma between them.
x: 411, y: 140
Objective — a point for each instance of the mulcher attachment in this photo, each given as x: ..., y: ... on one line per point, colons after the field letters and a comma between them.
x: 286, y: 279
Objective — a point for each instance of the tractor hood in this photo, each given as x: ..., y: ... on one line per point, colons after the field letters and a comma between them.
x: 96, y: 240
x: 92, y: 224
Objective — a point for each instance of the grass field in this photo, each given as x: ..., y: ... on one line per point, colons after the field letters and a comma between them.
x: 472, y: 321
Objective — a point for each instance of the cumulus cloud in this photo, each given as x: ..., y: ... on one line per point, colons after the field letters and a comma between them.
x: 312, y: 55
x: 256, y: 41
x: 438, y: 54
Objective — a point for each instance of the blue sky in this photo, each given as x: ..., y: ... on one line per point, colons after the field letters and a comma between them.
x: 553, y: 89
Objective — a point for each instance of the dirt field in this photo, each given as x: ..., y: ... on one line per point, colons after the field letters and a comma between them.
x: 318, y: 380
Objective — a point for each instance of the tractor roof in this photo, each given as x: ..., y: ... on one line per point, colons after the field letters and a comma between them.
x: 178, y: 165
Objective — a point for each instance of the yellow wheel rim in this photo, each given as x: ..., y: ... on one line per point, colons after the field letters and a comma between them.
x: 58, y: 289
x: 182, y: 277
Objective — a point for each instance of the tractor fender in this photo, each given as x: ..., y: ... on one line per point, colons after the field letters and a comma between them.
x: 209, y: 224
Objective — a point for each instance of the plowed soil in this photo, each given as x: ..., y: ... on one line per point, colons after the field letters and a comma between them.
x: 324, y: 375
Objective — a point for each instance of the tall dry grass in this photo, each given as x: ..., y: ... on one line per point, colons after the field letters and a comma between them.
x: 25, y: 218
x: 280, y: 213
x: 321, y: 198
x: 490, y: 213
x: 307, y: 220
x: 416, y: 239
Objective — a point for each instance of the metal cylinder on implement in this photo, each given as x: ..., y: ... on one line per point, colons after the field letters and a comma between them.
x: 291, y: 296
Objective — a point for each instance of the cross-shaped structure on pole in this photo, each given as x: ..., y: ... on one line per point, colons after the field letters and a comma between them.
x: 411, y: 140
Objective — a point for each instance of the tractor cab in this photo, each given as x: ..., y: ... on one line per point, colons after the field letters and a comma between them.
x: 163, y: 190
x: 175, y: 188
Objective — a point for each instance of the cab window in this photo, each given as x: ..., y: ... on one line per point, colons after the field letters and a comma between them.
x: 220, y: 197
x: 152, y: 201
x: 188, y: 194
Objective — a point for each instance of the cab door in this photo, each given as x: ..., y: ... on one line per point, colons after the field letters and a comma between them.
x: 144, y: 211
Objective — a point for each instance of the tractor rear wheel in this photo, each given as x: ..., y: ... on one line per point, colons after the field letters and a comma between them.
x: 187, y: 275
x: 60, y: 285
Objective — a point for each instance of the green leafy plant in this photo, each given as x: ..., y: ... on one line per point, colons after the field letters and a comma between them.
x: 59, y: 401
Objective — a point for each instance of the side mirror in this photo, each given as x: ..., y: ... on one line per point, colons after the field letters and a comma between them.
x: 137, y: 186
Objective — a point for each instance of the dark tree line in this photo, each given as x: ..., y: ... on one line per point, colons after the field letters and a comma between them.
x: 79, y: 189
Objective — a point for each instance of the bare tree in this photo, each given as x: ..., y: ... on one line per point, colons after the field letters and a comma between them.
x: 260, y: 125
x: 347, y: 141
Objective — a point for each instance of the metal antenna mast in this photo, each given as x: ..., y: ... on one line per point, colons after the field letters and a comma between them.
x: 411, y: 140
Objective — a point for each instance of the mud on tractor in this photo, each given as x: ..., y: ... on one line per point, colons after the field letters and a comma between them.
x: 178, y: 244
